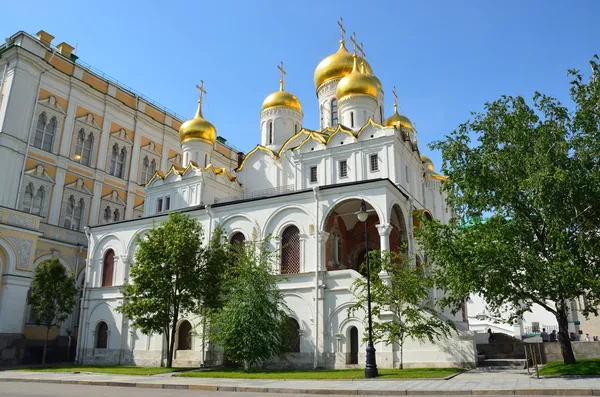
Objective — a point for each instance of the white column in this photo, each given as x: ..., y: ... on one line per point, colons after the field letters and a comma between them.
x: 165, y: 158
x: 322, y: 241
x: 57, y: 194
x: 65, y: 144
x: 135, y: 157
x: 384, y: 230
x: 130, y: 201
x: 95, y: 207
x: 303, y: 256
x: 103, y: 148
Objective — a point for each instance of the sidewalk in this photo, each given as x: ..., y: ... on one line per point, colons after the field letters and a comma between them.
x: 466, y: 383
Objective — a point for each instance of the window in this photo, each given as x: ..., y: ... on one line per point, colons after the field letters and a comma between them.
x: 44, y: 133
x: 83, y: 148
x: 38, y: 201
x: 101, y: 335
x: 374, y: 161
x: 343, y: 169
x: 113, y: 159
x: 28, y: 198
x: 152, y: 168
x: 334, y: 112
x: 148, y: 169
x: 381, y: 114
x: 237, y: 241
x: 313, y: 174
x: 295, y: 128
x: 321, y: 113
x: 108, y: 265
x: 159, y: 205
x: 167, y: 203
x: 407, y: 174
x: 184, y: 337
x: 107, y: 215
x: 290, y: 250
x: 74, y: 213
x: 270, y: 133
x: 292, y: 336
x: 117, y: 161
x: 351, y: 119
x: 116, y: 216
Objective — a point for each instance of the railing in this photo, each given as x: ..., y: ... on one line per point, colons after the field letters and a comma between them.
x: 276, y: 191
x: 531, y: 330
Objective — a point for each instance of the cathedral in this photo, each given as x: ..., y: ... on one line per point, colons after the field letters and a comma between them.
x: 303, y: 188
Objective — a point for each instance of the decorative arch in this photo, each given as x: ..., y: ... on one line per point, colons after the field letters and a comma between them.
x: 238, y: 223
x: 108, y: 268
x: 332, y: 206
x: 7, y: 257
x: 57, y: 255
x: 285, y: 216
x: 101, y: 340
x: 184, y: 335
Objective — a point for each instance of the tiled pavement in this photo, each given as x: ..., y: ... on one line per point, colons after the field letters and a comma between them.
x: 471, y: 382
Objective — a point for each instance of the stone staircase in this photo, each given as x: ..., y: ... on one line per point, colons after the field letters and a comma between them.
x: 506, y: 352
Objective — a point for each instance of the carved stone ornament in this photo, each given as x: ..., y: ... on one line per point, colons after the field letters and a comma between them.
x: 23, y: 247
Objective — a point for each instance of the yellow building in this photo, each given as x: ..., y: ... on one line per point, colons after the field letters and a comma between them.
x: 76, y: 148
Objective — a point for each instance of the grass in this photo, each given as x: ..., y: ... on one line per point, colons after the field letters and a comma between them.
x: 582, y: 367
x: 409, y: 373
x: 106, y: 370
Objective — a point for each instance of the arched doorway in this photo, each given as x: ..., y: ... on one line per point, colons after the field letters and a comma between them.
x: 352, y: 355
x: 184, y: 336
x: 290, y: 250
x: 102, y: 335
x: 398, y: 235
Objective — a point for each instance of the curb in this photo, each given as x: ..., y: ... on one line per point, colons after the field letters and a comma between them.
x: 364, y: 392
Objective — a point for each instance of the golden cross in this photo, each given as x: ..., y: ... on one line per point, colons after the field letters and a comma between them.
x: 395, y: 95
x: 281, y: 74
x: 202, y: 90
x: 362, y: 52
x: 342, y: 30
x: 353, y: 39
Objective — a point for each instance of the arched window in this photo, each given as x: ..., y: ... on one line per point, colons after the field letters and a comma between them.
x: 381, y: 114
x: 86, y: 154
x: 79, y: 145
x: 145, y: 170
x: 28, y: 198
x: 108, y: 265
x: 237, y: 241
x: 184, y: 339
x: 49, y: 135
x: 101, y: 335
x: 69, y: 211
x: 351, y: 119
x: 120, y: 169
x: 270, y: 133
x: 322, y: 115
x: 353, y: 356
x: 292, y: 336
x: 116, y: 215
x: 113, y: 159
x: 38, y: 201
x: 78, y: 215
x: 290, y: 250
x: 295, y: 128
x: 39, y: 131
x: 334, y: 112
x: 152, y: 168
x: 107, y: 215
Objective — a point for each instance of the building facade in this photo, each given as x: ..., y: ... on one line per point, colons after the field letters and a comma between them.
x: 303, y: 189
x: 76, y: 149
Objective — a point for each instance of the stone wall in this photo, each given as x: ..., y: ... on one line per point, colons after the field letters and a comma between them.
x: 12, y: 349
x: 582, y: 350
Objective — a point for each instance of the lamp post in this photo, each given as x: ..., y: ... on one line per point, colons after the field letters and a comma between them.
x: 371, y: 367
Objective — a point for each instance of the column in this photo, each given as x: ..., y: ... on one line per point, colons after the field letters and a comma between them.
x: 57, y: 194
x: 384, y: 230
x: 65, y: 144
x: 322, y: 241
x: 130, y: 203
x: 103, y: 147
x: 135, y: 156
x: 97, y: 196
x: 164, y: 161
x: 303, y: 259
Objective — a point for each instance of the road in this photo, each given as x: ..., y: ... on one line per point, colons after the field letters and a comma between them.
x: 16, y: 389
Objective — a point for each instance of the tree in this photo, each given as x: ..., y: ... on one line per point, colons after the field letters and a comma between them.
x: 252, y: 325
x: 525, y: 192
x: 401, y: 306
x: 165, y: 278
x: 52, y: 297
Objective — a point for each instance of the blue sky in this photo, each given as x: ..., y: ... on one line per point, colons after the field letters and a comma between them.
x: 446, y: 58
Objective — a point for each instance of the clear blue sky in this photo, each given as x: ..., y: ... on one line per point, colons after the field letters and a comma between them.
x: 446, y: 58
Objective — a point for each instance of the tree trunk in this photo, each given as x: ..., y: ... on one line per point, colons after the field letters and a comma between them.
x: 170, y: 349
x: 246, y: 366
x: 402, y: 354
x: 45, y: 346
x: 563, y: 335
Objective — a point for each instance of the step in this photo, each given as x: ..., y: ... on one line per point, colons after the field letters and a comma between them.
x: 503, y: 362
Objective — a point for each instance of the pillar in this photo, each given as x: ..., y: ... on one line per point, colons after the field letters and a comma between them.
x: 384, y: 230
x: 65, y: 144
x: 322, y: 247
x: 57, y: 194
x: 103, y: 147
x: 95, y: 206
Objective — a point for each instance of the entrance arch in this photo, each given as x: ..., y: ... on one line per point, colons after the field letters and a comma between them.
x: 352, y: 352
x: 184, y: 337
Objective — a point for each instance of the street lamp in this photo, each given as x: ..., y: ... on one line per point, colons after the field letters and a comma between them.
x: 371, y: 368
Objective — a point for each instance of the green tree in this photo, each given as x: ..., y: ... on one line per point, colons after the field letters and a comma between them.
x: 252, y: 324
x: 165, y: 278
x: 402, y: 307
x: 52, y: 296
x: 533, y: 173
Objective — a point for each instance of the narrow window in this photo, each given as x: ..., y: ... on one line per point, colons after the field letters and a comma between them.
x: 101, y: 335
x: 49, y: 135
x: 351, y: 119
x: 159, y: 205
x: 152, y: 168
x: 381, y: 114
x: 407, y: 174
x: 116, y: 216
x: 86, y: 153
x: 290, y: 250
x: 38, y: 202
x: 205, y: 160
x: 343, y: 169
x: 79, y: 145
x: 145, y: 170
x: 374, y: 163
x: 120, y: 169
x: 295, y: 128
x: 107, y: 213
x: 69, y: 210
x: 313, y: 174
x: 167, y: 203
x: 321, y: 113
x: 78, y: 215
x: 39, y: 131
x: 113, y: 159
x: 28, y: 198
x: 334, y: 112
x: 270, y: 134
x: 108, y: 268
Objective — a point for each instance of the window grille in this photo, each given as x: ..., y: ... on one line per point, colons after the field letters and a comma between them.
x: 108, y: 268
x: 313, y: 174
x: 374, y: 163
x: 343, y: 169
x: 290, y: 250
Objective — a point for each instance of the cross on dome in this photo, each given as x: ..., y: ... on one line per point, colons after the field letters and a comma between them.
x: 202, y: 91
x: 362, y: 52
x: 353, y: 39
x: 395, y: 96
x: 282, y: 73
x: 342, y: 30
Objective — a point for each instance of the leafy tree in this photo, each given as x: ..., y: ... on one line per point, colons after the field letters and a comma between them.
x: 405, y: 295
x: 169, y: 264
x: 534, y: 173
x: 52, y: 297
x: 252, y: 325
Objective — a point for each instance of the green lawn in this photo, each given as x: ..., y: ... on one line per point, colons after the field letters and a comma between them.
x: 582, y: 367
x: 410, y: 373
x: 106, y: 370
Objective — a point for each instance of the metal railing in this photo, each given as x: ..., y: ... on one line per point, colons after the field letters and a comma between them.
x: 531, y: 330
x: 275, y: 191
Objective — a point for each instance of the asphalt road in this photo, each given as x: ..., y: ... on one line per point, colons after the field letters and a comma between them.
x: 15, y: 389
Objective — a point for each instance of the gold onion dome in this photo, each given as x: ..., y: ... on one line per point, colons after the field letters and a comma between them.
x: 398, y: 121
x: 428, y: 163
x: 377, y: 81
x: 356, y: 83
x: 337, y: 65
x: 281, y: 98
x: 198, y: 129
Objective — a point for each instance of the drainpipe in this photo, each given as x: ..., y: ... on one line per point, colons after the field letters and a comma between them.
x: 37, y: 98
x: 317, y: 243
x: 81, y: 332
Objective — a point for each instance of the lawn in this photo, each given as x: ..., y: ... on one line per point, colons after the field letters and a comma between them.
x: 106, y: 370
x: 409, y: 373
x: 582, y: 367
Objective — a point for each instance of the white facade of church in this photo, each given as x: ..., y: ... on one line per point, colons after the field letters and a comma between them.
x: 302, y: 188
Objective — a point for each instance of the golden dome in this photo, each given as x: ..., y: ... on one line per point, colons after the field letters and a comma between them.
x: 428, y: 163
x: 398, y: 121
x: 364, y: 70
x: 198, y: 129
x: 281, y: 98
x: 356, y: 83
x: 336, y: 66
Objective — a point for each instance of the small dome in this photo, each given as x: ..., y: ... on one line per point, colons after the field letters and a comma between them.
x: 428, y: 163
x: 198, y: 129
x: 356, y: 83
x: 336, y: 66
x: 281, y: 98
x: 365, y: 70
x: 398, y: 121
